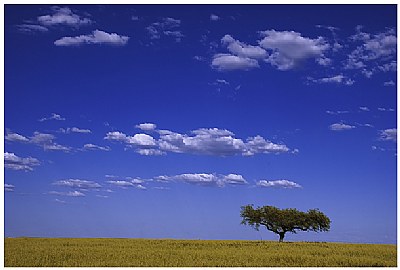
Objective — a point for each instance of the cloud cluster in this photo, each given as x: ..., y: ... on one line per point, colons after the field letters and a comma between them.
x: 278, y: 184
x: 44, y: 140
x: 374, y: 52
x: 205, y: 179
x: 203, y: 141
x: 14, y: 162
x: 166, y: 27
x: 96, y: 37
x: 283, y: 50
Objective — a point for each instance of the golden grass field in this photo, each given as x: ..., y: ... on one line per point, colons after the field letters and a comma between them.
x: 97, y: 252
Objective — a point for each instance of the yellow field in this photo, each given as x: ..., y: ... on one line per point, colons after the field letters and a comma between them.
x: 190, y: 253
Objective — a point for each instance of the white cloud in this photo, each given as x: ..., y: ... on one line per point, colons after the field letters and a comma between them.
x: 135, y: 18
x: 146, y: 126
x: 96, y: 37
x: 258, y: 144
x: 338, y: 79
x: 227, y: 62
x: 150, y: 152
x: 388, y: 135
x: 278, y: 184
x: 136, y: 183
x: 289, y: 48
x: 31, y: 28
x: 243, y: 50
x: 385, y: 110
x: 69, y: 193
x: 14, y: 162
x: 214, y: 17
x: 121, y: 183
x: 142, y: 139
x: 63, y: 16
x: 14, y: 137
x: 53, y: 116
x: 340, y: 127
x: 8, y: 187
x: 90, y: 146
x: 389, y: 83
x: 336, y: 112
x: 75, y: 130
x: 77, y: 183
x: 365, y: 109
x: 234, y: 179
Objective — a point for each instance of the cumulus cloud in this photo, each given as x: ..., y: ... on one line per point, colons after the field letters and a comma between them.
x: 243, y: 50
x: 53, y: 116
x: 146, y: 126
x: 205, y: 179
x: 14, y: 162
x: 77, y: 184
x: 338, y: 79
x: 277, y: 184
x: 63, y: 16
x: 340, y: 127
x: 90, y: 146
x: 96, y: 37
x: 388, y: 135
x: 15, y: 137
x: 166, y: 27
x: 116, y: 136
x: 9, y: 188
x: 203, y: 141
x: 288, y: 48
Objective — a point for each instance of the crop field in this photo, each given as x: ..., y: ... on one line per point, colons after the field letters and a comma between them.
x: 97, y: 252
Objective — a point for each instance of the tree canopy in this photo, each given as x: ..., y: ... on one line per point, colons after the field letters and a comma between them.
x: 281, y: 221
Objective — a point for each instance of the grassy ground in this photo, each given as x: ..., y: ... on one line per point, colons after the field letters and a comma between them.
x: 190, y: 253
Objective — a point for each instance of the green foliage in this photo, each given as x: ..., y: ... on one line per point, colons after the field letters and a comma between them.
x: 84, y: 252
x: 281, y: 221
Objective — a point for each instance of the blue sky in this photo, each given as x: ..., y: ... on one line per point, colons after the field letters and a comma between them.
x: 161, y: 121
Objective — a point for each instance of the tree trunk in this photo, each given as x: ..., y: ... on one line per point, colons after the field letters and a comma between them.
x: 281, y: 236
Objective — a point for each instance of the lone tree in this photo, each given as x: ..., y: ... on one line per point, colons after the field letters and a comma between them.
x: 281, y: 221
